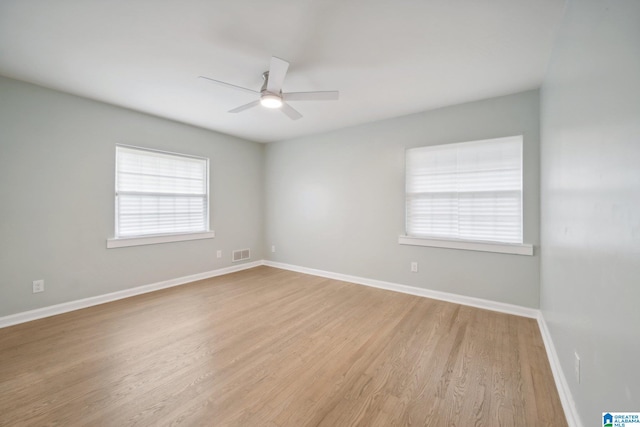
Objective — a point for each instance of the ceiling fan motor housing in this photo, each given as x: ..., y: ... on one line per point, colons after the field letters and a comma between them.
x: 269, y: 99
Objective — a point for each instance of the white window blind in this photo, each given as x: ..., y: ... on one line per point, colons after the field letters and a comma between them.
x: 160, y: 193
x: 469, y: 191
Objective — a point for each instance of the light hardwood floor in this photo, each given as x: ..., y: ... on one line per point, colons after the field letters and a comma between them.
x: 268, y: 347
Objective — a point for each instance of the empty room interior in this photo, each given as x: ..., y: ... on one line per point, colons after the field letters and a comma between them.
x: 320, y: 213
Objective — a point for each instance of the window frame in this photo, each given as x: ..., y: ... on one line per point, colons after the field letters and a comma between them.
x: 149, y: 239
x: 520, y: 248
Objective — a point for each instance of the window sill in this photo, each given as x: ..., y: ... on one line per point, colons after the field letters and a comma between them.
x: 152, y: 240
x: 469, y: 245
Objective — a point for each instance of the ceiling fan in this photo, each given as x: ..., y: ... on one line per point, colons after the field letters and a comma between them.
x: 271, y: 95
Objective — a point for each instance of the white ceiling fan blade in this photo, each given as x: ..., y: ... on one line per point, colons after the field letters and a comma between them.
x: 277, y: 72
x: 245, y: 106
x: 255, y: 92
x: 331, y: 95
x: 290, y: 111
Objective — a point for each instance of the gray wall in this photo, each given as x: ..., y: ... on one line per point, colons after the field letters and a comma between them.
x: 57, y: 154
x: 335, y: 201
x: 590, y: 266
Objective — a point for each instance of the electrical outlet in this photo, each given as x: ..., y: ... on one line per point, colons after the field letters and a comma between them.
x: 576, y: 366
x: 219, y: 254
x: 273, y: 248
x: 414, y: 267
x: 38, y: 286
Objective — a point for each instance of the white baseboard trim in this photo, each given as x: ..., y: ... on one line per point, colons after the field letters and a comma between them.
x: 27, y: 316
x: 568, y: 404
x: 411, y: 290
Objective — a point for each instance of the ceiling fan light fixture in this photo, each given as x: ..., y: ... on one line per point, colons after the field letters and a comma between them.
x: 270, y: 100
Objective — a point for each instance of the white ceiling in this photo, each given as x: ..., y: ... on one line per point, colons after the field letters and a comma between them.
x: 387, y: 58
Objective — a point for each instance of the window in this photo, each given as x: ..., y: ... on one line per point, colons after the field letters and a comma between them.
x: 160, y: 194
x: 469, y: 191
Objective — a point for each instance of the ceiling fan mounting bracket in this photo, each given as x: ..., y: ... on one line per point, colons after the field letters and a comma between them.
x: 265, y: 78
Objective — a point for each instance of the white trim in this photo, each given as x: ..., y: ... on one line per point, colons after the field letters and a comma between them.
x: 53, y: 310
x: 152, y: 240
x: 27, y: 316
x: 411, y: 290
x: 568, y: 404
x: 469, y: 245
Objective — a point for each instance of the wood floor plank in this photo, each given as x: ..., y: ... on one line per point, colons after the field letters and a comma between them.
x: 268, y: 347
